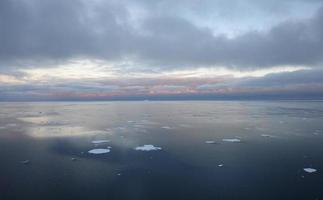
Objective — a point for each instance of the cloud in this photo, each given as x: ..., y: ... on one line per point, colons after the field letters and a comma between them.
x: 124, y: 48
x: 304, y: 83
x: 44, y: 33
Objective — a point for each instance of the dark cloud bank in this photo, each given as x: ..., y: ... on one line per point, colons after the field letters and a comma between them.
x: 42, y: 30
x: 42, y: 33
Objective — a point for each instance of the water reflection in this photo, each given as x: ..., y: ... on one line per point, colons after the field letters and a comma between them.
x: 207, y: 150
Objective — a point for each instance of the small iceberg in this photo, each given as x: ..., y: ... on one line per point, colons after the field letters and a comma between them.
x: 310, y: 170
x: 147, y: 147
x: 99, y: 151
x: 100, y: 141
x: 209, y: 142
x: 220, y: 165
x: 231, y: 140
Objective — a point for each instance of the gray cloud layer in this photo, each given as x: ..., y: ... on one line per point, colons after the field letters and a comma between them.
x: 45, y: 31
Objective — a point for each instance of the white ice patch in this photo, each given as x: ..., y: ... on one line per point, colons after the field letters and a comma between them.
x: 100, y: 141
x: 266, y: 135
x: 210, y: 142
x: 147, y: 147
x: 185, y: 125
x: 231, y: 140
x: 96, y: 132
x: 55, y: 131
x: 11, y: 125
x: 165, y: 127
x: 42, y: 120
x: 310, y: 170
x: 25, y: 162
x: 220, y: 165
x: 99, y: 151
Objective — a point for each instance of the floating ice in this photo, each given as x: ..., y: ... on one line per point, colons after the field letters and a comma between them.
x: 220, y: 165
x: 210, y: 142
x: 316, y: 132
x: 96, y: 132
x: 99, y: 151
x: 122, y: 129
x: 42, y: 120
x: 231, y: 140
x: 165, y: 127
x: 185, y: 125
x: 310, y: 170
x: 25, y: 162
x: 55, y: 131
x: 266, y: 135
x: 147, y: 147
x: 100, y: 141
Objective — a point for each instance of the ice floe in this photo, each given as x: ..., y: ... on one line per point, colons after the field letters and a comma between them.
x: 42, y: 120
x: 210, y: 142
x: 11, y: 125
x: 166, y: 127
x: 185, y: 125
x: 231, y: 140
x: 266, y: 135
x: 25, y: 162
x: 147, y: 147
x: 310, y: 170
x: 100, y: 141
x: 316, y: 132
x: 220, y: 165
x: 99, y: 151
x: 55, y: 131
x: 96, y: 132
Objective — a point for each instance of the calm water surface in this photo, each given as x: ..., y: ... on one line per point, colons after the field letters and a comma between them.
x: 44, y: 150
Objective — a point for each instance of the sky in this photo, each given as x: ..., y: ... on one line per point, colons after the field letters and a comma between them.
x: 161, y: 49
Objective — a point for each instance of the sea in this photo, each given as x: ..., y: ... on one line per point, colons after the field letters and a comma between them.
x: 161, y: 150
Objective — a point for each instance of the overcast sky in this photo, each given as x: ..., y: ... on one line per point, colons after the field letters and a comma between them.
x: 80, y: 49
